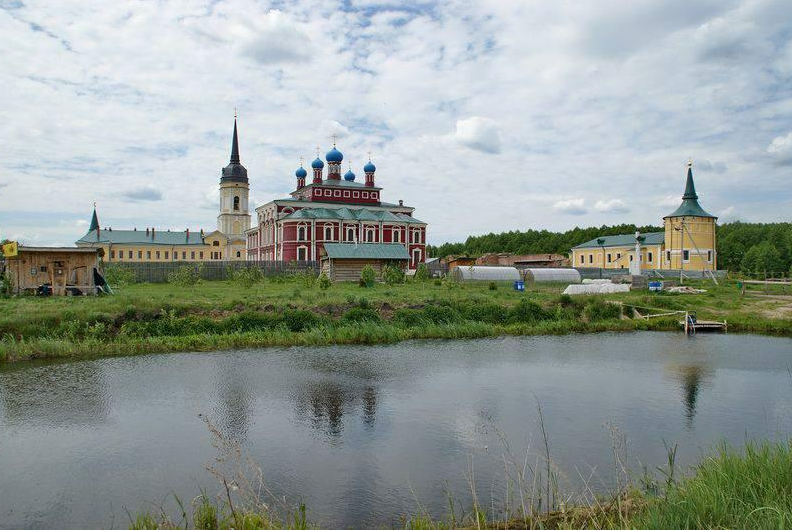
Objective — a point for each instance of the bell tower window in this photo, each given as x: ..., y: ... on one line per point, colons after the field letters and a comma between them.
x: 236, y: 203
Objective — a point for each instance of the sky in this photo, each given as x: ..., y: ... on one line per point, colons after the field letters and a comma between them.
x: 485, y: 116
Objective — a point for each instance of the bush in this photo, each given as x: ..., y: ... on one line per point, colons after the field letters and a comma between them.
x: 410, y: 317
x: 119, y: 276
x: 600, y: 310
x: 185, y: 276
x: 246, y: 276
x: 527, y: 311
x: 421, y: 273
x: 441, y: 314
x: 324, y: 282
x: 367, y: 276
x: 6, y: 285
x: 361, y: 314
x: 486, y: 312
x: 392, y: 275
x: 492, y: 286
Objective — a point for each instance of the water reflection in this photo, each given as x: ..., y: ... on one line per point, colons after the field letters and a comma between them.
x: 325, y: 403
x: 690, y: 378
x: 234, y: 405
x: 63, y: 394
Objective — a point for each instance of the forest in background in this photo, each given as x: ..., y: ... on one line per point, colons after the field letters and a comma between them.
x: 744, y: 247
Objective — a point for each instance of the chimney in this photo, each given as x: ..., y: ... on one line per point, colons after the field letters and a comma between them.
x: 401, y: 202
x: 188, y: 235
x: 152, y: 232
x: 201, y: 233
x: 134, y: 229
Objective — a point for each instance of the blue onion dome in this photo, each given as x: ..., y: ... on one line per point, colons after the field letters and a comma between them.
x: 369, y: 168
x: 334, y: 155
x: 301, y: 173
x: 317, y: 164
x: 349, y: 176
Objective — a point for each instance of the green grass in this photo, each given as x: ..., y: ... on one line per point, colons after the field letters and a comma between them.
x: 748, y: 488
x: 146, y: 318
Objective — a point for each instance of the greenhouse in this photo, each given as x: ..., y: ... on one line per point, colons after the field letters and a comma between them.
x: 485, y: 274
x: 551, y: 275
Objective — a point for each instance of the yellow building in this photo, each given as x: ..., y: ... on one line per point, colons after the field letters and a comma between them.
x: 687, y: 241
x: 227, y: 243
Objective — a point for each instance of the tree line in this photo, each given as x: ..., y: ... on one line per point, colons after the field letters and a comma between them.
x: 745, y: 247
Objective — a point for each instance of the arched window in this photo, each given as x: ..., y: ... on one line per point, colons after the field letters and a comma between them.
x: 350, y: 234
x: 239, y: 254
x: 236, y: 203
x: 328, y: 233
x: 396, y: 235
x: 301, y: 233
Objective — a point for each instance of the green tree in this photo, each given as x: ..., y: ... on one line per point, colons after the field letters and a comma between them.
x: 367, y: 276
x: 762, y: 258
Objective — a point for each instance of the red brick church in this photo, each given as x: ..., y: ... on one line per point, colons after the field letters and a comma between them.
x: 337, y: 219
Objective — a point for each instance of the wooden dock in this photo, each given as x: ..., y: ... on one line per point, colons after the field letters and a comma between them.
x: 692, y: 325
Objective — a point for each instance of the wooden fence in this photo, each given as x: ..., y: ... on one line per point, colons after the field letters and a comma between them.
x: 157, y: 272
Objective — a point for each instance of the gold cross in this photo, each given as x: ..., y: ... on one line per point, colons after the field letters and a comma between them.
x: 318, y: 151
x: 235, y: 113
x: 334, y: 137
x: 302, y: 161
x: 369, y: 154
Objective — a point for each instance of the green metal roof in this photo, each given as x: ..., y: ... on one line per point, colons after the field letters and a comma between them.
x: 366, y: 251
x: 352, y: 214
x: 140, y: 237
x: 624, y: 240
x: 690, y: 206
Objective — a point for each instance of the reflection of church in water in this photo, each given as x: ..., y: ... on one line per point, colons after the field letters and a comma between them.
x: 690, y: 377
x: 325, y: 403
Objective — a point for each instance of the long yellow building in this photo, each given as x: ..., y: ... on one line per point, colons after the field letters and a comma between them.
x: 687, y: 241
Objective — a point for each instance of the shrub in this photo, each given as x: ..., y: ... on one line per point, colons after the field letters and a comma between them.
x: 6, y: 285
x: 300, y: 319
x: 421, y: 273
x: 410, y: 317
x: 527, y: 311
x: 600, y: 310
x: 185, y: 276
x: 367, y: 276
x: 441, y: 314
x: 361, y: 314
x: 486, y: 312
x: 308, y: 278
x: 492, y: 286
x: 438, y: 281
x: 392, y: 275
x: 119, y: 276
x: 246, y: 276
x: 324, y: 282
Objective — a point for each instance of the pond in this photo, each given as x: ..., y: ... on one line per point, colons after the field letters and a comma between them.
x: 365, y: 434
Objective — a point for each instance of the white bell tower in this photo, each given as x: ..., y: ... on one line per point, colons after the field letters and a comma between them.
x: 234, y: 217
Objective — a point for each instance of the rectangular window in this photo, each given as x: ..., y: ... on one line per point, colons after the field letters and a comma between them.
x: 631, y: 257
x: 121, y: 254
x: 166, y: 254
x: 685, y: 255
x: 709, y: 256
x: 112, y: 254
x: 591, y: 258
x: 618, y: 255
x: 148, y: 254
x: 337, y: 193
x: 668, y: 256
x: 355, y: 194
x: 184, y: 254
x: 158, y: 254
x: 302, y: 254
x: 192, y: 255
x: 175, y: 256
x: 364, y: 194
x: 609, y: 257
x: 346, y: 194
x: 200, y: 255
x: 140, y: 254
x: 582, y: 259
x: 649, y: 257
x: 129, y: 255
x: 373, y: 194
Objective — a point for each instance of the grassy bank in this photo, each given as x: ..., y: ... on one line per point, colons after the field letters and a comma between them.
x: 148, y: 318
x: 749, y: 488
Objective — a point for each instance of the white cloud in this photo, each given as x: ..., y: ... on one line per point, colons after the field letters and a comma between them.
x: 781, y: 149
x: 143, y: 193
x: 611, y: 206
x: 80, y: 223
x: 571, y: 207
x: 276, y: 39
x: 478, y: 133
x: 669, y: 200
x: 727, y: 214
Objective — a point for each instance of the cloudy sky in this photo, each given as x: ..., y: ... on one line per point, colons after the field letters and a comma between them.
x: 486, y: 116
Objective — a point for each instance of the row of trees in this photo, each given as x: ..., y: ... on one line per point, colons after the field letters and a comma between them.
x: 746, y: 247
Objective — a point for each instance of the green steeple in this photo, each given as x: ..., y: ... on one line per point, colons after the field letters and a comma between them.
x: 690, y: 206
x: 94, y: 221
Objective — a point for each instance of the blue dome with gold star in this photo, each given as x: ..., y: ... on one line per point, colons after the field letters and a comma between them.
x: 317, y: 164
x: 301, y: 173
x: 349, y: 176
x: 334, y: 155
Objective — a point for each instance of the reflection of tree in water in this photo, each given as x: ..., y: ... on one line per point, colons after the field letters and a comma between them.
x: 63, y: 394
x: 327, y: 402
x: 690, y: 377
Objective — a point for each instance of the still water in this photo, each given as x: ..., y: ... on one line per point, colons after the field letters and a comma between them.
x: 364, y: 434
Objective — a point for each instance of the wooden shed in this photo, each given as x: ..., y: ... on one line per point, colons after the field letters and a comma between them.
x: 343, y: 262
x: 54, y: 270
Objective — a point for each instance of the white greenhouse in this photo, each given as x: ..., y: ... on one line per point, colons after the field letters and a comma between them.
x: 485, y: 274
x: 551, y: 275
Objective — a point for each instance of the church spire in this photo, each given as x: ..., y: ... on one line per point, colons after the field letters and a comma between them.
x: 235, y: 145
x: 690, y: 188
x: 94, y: 221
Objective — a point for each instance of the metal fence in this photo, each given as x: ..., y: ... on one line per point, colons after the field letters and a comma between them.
x: 595, y: 273
x: 157, y: 272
